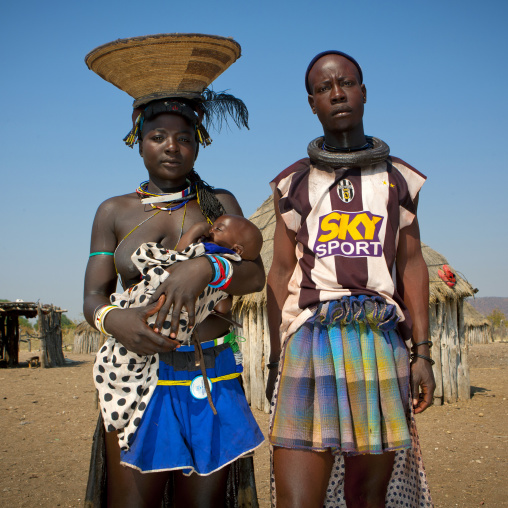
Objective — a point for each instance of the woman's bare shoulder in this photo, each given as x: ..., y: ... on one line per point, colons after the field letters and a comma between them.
x: 228, y: 201
x: 118, y: 203
x: 112, y: 208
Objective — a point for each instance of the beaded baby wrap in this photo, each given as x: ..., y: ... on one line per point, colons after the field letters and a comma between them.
x: 125, y: 380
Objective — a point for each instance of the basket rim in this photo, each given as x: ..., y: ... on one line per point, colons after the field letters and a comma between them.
x: 142, y: 40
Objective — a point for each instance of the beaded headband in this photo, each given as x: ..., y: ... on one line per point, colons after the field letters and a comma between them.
x: 158, y: 107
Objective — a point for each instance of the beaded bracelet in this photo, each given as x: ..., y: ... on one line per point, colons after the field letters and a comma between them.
x: 217, y: 267
x: 213, y: 264
x: 99, y: 317
x: 223, y: 272
x: 430, y: 360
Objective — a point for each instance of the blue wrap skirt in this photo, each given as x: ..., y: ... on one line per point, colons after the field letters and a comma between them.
x: 179, y: 431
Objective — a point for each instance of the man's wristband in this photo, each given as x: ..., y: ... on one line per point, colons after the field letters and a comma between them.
x: 429, y: 342
x: 416, y: 355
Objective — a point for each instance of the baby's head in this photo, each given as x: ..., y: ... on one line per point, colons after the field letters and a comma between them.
x: 239, y: 234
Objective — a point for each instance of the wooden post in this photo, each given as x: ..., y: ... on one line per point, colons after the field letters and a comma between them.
x: 12, y: 346
x: 50, y: 333
x: 245, y: 332
x: 436, y: 329
x: 453, y: 334
x: 252, y: 354
x: 463, y: 382
x: 258, y: 363
x: 2, y: 337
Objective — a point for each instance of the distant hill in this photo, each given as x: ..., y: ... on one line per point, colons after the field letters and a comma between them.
x: 487, y: 304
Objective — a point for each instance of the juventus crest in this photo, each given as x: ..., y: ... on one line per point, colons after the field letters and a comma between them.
x: 346, y: 191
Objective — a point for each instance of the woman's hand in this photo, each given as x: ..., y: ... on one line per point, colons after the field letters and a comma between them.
x: 186, y: 281
x: 129, y: 327
x: 422, y: 384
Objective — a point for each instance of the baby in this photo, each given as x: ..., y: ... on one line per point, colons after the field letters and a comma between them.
x: 232, y: 232
x: 231, y: 237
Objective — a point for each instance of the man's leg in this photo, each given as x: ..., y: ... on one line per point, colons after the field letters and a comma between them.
x: 301, y: 477
x: 366, y: 480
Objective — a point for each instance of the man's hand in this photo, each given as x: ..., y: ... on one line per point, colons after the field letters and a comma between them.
x: 422, y: 384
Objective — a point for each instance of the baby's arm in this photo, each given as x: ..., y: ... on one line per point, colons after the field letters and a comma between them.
x: 195, y: 232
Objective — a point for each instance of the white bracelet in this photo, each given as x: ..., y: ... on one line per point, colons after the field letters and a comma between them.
x: 99, y: 317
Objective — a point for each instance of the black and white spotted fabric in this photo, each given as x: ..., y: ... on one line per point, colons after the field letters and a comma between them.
x: 125, y: 380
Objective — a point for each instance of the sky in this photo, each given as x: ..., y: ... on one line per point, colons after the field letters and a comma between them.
x: 435, y: 74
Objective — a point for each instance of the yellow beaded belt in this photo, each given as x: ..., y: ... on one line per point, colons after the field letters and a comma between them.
x: 188, y: 382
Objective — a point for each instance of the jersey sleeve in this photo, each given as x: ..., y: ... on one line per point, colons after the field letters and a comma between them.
x: 414, y: 181
x: 285, y: 182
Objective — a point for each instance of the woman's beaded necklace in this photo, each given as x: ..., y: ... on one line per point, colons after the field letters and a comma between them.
x: 181, y: 197
x: 147, y: 198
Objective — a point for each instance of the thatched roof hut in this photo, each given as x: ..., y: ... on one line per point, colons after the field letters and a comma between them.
x: 87, y: 339
x: 446, y: 319
x: 478, y: 327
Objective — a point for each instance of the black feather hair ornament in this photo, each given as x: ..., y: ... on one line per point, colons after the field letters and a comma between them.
x: 208, y: 109
x: 217, y: 107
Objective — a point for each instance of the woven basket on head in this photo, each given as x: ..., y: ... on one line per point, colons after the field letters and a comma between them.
x: 163, y: 65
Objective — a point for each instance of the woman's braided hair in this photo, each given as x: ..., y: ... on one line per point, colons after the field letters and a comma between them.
x: 210, y: 206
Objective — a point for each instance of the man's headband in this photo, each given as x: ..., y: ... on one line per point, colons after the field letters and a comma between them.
x: 321, y: 55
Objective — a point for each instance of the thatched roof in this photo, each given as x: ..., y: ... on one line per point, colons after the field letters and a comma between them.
x: 85, y: 328
x: 439, y: 290
x: 264, y: 218
x: 472, y: 317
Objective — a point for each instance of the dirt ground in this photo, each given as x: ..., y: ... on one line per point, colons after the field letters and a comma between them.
x: 47, y: 418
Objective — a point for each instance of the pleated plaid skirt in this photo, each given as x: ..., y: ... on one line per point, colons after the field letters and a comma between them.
x: 344, y: 381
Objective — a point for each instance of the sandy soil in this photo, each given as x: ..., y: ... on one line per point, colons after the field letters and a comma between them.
x: 47, y: 418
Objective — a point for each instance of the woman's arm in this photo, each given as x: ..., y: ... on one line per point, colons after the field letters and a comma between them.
x: 413, y: 278
x: 127, y: 325
x: 182, y: 289
x: 283, y: 266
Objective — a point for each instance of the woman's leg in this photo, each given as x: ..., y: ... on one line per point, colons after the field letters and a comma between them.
x: 301, y: 477
x: 128, y: 487
x: 366, y: 479
x: 196, y: 491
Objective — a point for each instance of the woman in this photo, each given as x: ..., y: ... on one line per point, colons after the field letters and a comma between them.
x: 178, y: 435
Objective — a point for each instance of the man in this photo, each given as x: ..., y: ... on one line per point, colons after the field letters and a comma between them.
x: 347, y: 287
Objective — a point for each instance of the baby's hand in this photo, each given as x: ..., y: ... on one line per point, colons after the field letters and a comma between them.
x: 193, y: 235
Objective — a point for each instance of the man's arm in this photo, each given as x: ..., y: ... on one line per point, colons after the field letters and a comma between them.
x: 413, y: 279
x: 283, y: 266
